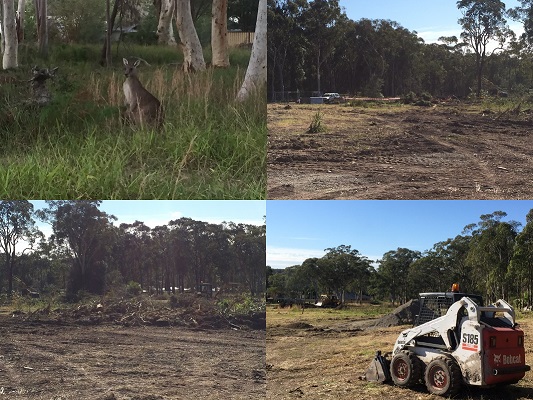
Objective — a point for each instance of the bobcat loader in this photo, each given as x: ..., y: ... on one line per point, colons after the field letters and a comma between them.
x: 456, y: 341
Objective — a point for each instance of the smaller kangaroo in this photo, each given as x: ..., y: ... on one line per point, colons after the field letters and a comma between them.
x: 143, y: 106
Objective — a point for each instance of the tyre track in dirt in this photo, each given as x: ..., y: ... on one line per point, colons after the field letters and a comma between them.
x: 408, y: 153
x: 90, y: 362
x: 10, y: 377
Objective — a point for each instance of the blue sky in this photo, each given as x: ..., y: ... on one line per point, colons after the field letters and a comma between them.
x: 159, y: 212
x: 297, y: 230
x: 431, y: 19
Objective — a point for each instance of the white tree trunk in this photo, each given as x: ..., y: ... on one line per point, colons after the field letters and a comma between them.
x: 41, y: 12
x: 193, y: 57
x: 165, y: 32
x: 219, y: 34
x: 256, y: 73
x: 3, y: 38
x: 21, y: 9
x: 10, y: 58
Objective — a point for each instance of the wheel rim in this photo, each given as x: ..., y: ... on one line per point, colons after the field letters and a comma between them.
x: 439, y: 378
x: 401, y: 370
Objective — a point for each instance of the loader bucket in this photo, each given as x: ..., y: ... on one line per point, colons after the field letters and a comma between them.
x: 378, y: 370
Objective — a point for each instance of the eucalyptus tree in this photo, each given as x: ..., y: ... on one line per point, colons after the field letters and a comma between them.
x: 193, y: 57
x: 164, y: 274
x: 9, y: 35
x: 21, y: 13
x: 393, y: 270
x: 249, y: 246
x: 41, y: 17
x: 181, y: 250
x: 131, y: 251
x: 197, y: 242
x: 483, y: 21
x: 219, y: 34
x: 17, y: 224
x: 277, y: 285
x: 222, y: 258
x: 321, y: 23
x: 521, y: 266
x: 256, y: 73
x: 524, y: 14
x: 342, y: 268
x: 88, y: 233
x: 293, y: 282
x: 286, y: 44
x: 490, y: 252
x: 165, y: 32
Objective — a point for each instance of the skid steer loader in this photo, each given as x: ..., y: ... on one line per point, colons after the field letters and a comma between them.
x: 455, y: 341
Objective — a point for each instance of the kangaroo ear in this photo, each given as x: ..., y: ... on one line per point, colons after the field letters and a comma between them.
x: 125, y: 61
x: 136, y: 64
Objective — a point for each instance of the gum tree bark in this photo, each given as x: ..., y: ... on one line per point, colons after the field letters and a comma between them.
x: 2, y: 36
x: 10, y: 58
x: 21, y: 8
x: 41, y: 12
x: 165, y: 32
x: 219, y: 34
x: 256, y: 73
x: 193, y: 57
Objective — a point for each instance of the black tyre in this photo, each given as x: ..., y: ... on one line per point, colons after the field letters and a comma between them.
x: 406, y: 369
x: 443, y: 377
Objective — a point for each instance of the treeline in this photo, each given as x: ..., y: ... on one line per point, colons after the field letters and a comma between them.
x: 87, y: 253
x: 314, y: 47
x: 492, y: 257
x: 81, y: 21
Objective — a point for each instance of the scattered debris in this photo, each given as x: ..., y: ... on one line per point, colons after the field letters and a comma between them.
x: 192, y: 311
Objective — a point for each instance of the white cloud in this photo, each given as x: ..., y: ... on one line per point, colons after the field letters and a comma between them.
x: 432, y: 35
x: 283, y: 257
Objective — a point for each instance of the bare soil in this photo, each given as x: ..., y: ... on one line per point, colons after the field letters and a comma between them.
x: 40, y: 359
x: 450, y: 151
x: 310, y: 359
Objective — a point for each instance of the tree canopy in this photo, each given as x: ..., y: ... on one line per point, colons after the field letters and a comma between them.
x: 87, y: 252
x: 491, y: 257
x: 314, y: 47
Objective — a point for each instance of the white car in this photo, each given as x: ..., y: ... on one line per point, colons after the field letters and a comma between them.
x: 331, y: 96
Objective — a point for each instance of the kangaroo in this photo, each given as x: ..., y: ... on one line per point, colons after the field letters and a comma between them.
x: 143, y: 106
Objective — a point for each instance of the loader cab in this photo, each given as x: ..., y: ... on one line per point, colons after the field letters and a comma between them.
x: 435, y: 305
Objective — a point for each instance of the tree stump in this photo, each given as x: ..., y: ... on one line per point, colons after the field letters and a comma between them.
x: 40, y: 93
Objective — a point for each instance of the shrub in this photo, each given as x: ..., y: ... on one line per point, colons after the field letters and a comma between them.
x: 133, y: 288
x: 316, y: 124
x: 410, y: 98
x: 173, y: 301
x: 426, y: 96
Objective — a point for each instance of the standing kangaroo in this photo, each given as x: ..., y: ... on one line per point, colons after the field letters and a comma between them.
x: 143, y: 106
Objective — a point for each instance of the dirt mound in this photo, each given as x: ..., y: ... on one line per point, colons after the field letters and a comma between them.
x: 300, y: 325
x: 402, y: 315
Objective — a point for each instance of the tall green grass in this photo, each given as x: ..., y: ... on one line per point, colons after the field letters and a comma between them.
x: 78, y: 148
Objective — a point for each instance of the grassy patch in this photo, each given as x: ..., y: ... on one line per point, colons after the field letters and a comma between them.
x: 321, y: 316
x: 76, y: 147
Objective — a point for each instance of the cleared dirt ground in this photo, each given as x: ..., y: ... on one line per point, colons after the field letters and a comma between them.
x: 450, y: 151
x: 41, y: 360
x: 310, y: 358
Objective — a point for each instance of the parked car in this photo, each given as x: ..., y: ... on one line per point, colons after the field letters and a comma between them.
x: 331, y: 97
